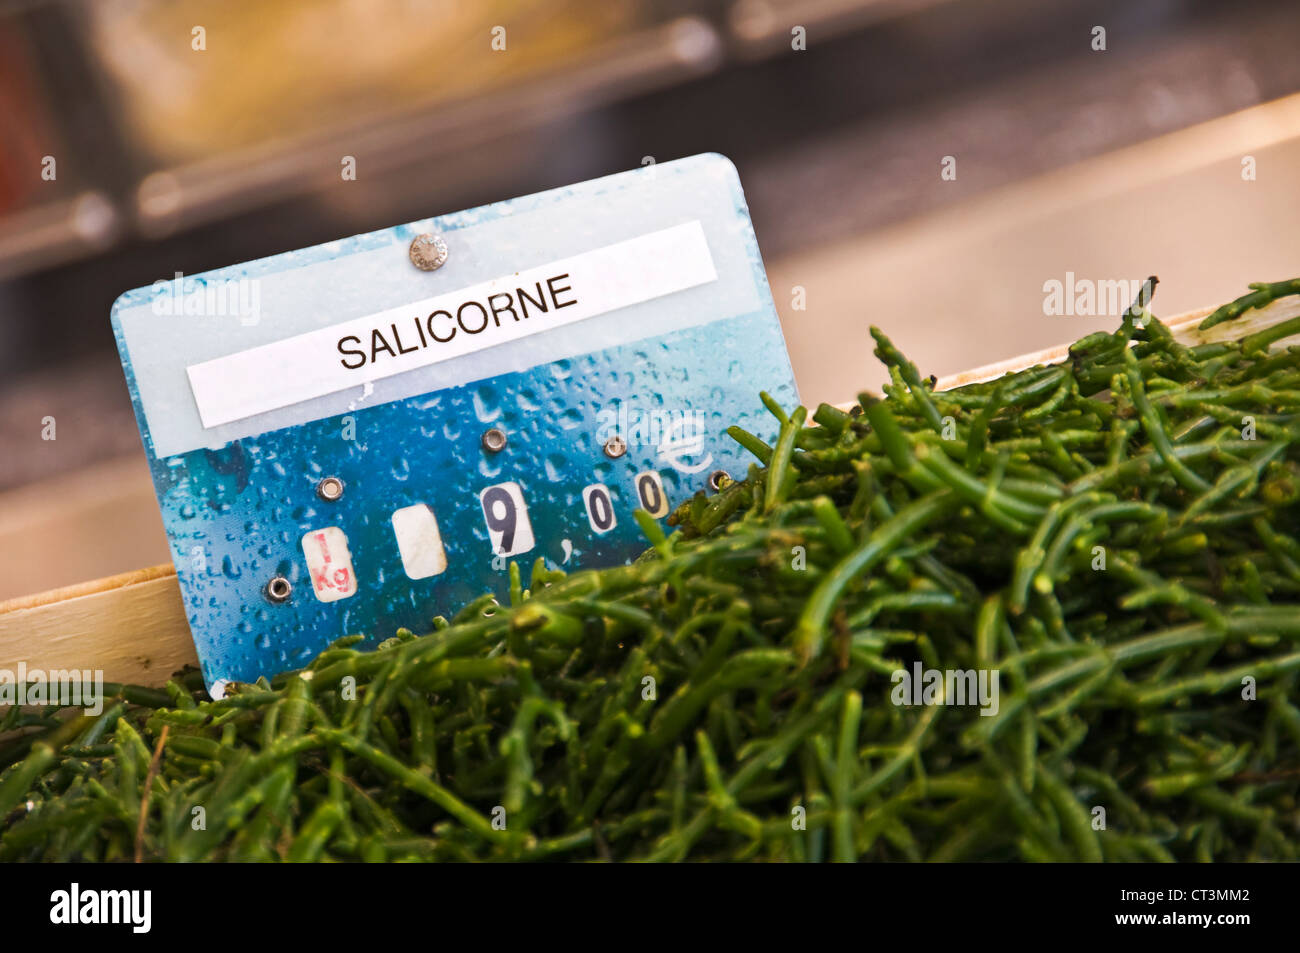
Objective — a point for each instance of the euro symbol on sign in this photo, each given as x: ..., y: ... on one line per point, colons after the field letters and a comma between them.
x: 684, y: 439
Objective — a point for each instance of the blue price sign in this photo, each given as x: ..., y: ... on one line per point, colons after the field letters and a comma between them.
x: 360, y: 436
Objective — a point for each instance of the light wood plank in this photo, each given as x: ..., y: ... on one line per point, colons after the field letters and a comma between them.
x: 131, y: 626
x: 1184, y: 327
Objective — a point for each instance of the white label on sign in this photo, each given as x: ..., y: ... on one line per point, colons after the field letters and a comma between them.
x: 329, y: 564
x: 600, y: 507
x: 507, y: 519
x: 450, y: 325
x: 419, y: 541
x: 650, y: 491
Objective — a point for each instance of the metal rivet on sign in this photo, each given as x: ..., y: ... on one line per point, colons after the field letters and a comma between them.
x: 615, y: 447
x: 329, y: 489
x: 717, y: 478
x: 279, y: 589
x: 428, y: 252
x: 494, y: 440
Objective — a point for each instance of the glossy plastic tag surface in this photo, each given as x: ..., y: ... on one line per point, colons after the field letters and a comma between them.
x: 345, y: 442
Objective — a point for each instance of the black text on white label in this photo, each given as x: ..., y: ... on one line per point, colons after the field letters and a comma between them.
x: 650, y: 491
x: 600, y: 507
x: 507, y: 519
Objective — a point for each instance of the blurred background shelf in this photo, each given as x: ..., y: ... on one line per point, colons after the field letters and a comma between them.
x: 1114, y: 164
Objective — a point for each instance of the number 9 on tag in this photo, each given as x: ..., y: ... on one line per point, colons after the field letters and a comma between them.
x: 506, y: 516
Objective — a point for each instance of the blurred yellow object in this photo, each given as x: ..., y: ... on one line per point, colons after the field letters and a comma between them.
x: 201, y: 77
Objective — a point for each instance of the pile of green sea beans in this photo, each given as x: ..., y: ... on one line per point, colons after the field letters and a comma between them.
x: 1115, y: 536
